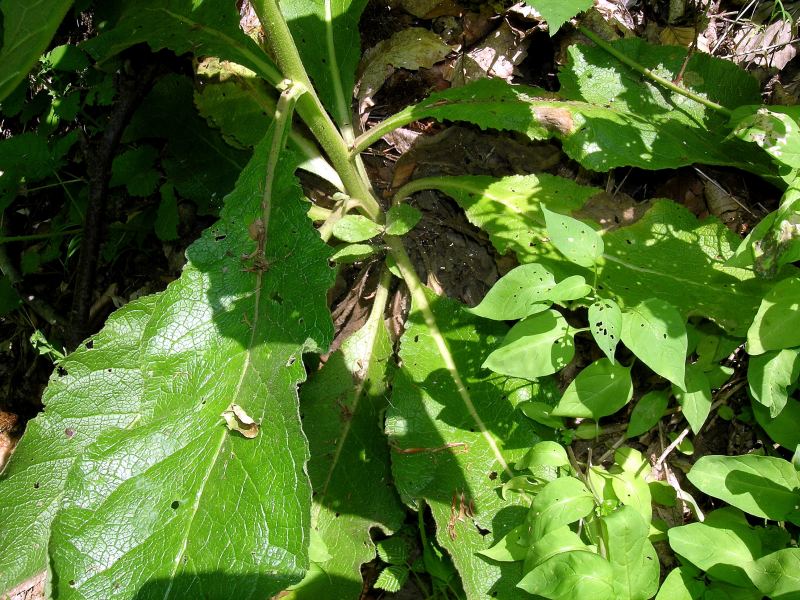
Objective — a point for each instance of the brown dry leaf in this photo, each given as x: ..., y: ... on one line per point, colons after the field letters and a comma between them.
x: 766, y: 47
x: 238, y: 420
x: 8, y: 436
x: 683, y: 36
x: 612, y: 211
x: 412, y: 49
x: 497, y: 56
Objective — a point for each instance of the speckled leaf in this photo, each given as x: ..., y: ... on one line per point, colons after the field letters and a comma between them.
x: 609, y: 116
x: 203, y: 27
x: 574, y: 239
x: 326, y: 33
x: 151, y: 510
x: 342, y: 407
x: 450, y: 458
x: 605, y: 323
x: 27, y: 29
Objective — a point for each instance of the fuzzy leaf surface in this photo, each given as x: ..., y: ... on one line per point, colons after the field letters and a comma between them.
x: 28, y: 28
x: 203, y: 27
x: 226, y: 333
x: 81, y: 402
x: 441, y: 455
x: 349, y: 468
x: 609, y: 116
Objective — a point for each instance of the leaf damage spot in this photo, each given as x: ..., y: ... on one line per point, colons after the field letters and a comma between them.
x: 238, y: 420
x: 555, y: 119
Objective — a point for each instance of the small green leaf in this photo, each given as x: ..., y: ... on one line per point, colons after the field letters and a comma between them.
x: 9, y: 298
x: 513, y: 547
x: 663, y: 493
x: 356, y: 228
x: 696, y: 399
x: 574, y: 239
x: 392, y: 578
x: 648, y: 412
x: 402, y: 218
x: 541, y: 413
x: 764, y: 486
x: 632, y: 490
x: 654, y: 331
x: 573, y: 287
x: 560, y: 503
x: 521, y: 292
x: 570, y: 575
x: 769, y: 376
x: 544, y: 454
x: 777, y: 323
x: 135, y: 169
x: 350, y: 253
x: 556, y: 542
x: 167, y: 218
x: 599, y: 390
x: 558, y: 12
x: 539, y: 345
x: 605, y: 323
x: 632, y: 557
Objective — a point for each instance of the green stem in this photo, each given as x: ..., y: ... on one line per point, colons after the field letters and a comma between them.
x: 414, y: 186
x: 38, y: 236
x: 416, y: 288
x: 626, y: 60
x: 311, y: 110
x: 397, y: 120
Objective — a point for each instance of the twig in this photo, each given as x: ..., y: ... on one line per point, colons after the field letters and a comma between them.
x: 99, y: 155
x: 671, y: 447
x: 608, y: 453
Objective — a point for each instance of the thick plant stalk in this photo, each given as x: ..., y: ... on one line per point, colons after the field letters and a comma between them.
x: 311, y: 110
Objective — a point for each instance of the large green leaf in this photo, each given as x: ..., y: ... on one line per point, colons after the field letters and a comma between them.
x: 82, y: 401
x: 778, y: 574
x: 202, y: 27
x: 608, y: 115
x: 326, y: 33
x: 667, y: 254
x: 722, y: 546
x: 558, y: 12
x: 632, y: 556
x: 696, y: 400
x: 193, y: 500
x: 27, y: 29
x: 561, y: 502
x: 764, y: 486
x: 451, y: 458
x: 342, y: 407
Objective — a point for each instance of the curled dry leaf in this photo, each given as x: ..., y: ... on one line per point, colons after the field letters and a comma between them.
x: 496, y: 56
x: 238, y: 420
x: 766, y: 47
x: 412, y: 48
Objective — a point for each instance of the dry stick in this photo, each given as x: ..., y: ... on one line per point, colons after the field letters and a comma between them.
x: 99, y: 157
